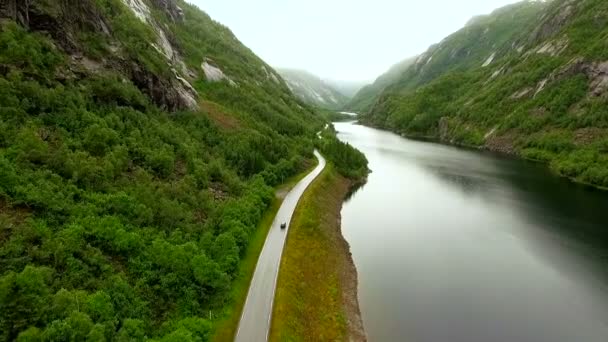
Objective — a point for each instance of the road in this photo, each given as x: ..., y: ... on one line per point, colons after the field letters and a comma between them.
x: 255, y: 319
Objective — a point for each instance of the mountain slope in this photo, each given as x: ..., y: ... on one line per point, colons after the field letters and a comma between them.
x: 347, y: 88
x: 530, y: 79
x: 312, y: 90
x: 366, y: 96
x: 139, y: 143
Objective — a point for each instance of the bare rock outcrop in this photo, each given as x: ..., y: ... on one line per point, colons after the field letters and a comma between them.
x: 502, y: 143
x: 551, y: 25
x: 62, y: 20
x: 598, y: 73
x: 444, y: 129
x: 17, y: 10
x: 170, y: 8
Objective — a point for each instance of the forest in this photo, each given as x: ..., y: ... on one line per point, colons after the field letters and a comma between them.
x: 121, y: 220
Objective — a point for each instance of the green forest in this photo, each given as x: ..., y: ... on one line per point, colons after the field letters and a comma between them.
x: 122, y: 219
x: 347, y: 160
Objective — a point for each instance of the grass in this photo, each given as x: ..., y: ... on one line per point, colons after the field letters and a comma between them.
x: 228, y: 323
x: 309, y: 304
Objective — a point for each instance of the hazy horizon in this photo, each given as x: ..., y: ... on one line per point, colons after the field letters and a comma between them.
x: 343, y: 40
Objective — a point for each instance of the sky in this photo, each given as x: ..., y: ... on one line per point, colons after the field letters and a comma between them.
x: 344, y: 40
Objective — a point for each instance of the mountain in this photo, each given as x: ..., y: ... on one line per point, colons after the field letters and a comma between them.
x: 140, y: 142
x: 530, y: 79
x: 364, y: 99
x: 347, y: 88
x: 312, y: 90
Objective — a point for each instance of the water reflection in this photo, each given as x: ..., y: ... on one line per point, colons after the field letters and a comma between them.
x: 461, y: 245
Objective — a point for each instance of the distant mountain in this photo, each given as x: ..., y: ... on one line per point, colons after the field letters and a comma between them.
x: 364, y: 99
x: 530, y: 79
x: 312, y: 90
x: 348, y: 88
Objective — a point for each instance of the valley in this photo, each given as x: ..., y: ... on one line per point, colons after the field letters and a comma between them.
x: 527, y: 80
x: 161, y: 181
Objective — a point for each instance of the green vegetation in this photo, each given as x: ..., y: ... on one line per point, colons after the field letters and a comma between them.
x: 540, y: 96
x: 316, y: 265
x: 120, y: 220
x: 349, y: 161
x: 228, y: 324
x: 259, y: 99
x: 313, y: 266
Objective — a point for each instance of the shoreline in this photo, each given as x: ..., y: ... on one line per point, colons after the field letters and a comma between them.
x: 317, y: 268
x: 487, y: 149
x: 356, y: 329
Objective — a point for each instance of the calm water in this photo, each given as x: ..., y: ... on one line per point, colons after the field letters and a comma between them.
x: 463, y: 246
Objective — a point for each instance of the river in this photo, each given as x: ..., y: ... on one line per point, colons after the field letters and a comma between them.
x: 458, y: 245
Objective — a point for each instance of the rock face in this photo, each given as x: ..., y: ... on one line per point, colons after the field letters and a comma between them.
x: 139, y: 8
x: 444, y: 129
x: 171, y: 9
x: 166, y: 93
x: 214, y: 74
x: 555, y: 23
x: 598, y: 74
x: 16, y: 10
x: 309, y: 88
x: 60, y: 18
x: 64, y: 19
x: 178, y: 92
x: 502, y: 143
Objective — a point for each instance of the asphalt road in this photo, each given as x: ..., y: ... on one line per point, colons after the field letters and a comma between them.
x: 255, y: 319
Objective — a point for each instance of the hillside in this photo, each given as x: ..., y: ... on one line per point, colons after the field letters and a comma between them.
x: 312, y: 90
x: 365, y: 98
x: 140, y: 142
x: 530, y: 79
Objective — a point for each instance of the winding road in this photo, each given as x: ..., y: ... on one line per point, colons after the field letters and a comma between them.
x: 255, y: 319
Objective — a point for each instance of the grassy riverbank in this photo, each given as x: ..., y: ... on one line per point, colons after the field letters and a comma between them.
x: 228, y: 323
x: 316, y: 297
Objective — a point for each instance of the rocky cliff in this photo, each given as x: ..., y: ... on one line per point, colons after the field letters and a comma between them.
x: 97, y: 40
x: 71, y: 22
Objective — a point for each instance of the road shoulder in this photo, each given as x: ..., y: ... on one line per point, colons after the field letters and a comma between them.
x: 316, y: 296
x: 228, y: 323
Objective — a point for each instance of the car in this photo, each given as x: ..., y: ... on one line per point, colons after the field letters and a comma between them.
x: 283, y: 225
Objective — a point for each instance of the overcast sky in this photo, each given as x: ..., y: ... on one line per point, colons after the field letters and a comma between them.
x: 343, y: 39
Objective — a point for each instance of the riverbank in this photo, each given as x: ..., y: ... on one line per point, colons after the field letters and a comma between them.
x: 316, y: 295
x: 228, y: 323
x: 451, y: 243
x: 507, y: 149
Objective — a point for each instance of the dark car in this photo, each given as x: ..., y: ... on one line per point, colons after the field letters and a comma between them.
x: 283, y: 225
